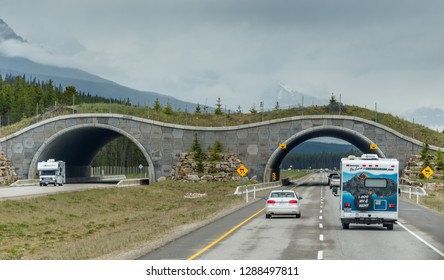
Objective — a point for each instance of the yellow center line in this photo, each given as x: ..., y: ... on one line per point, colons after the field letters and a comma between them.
x: 224, y: 235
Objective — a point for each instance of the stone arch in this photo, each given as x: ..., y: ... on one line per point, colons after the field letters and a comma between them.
x: 355, y: 138
x: 77, y: 146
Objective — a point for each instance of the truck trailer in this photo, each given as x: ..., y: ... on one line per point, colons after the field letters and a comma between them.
x: 51, y: 172
x: 369, y: 190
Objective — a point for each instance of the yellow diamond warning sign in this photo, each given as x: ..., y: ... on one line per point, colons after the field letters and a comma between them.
x: 427, y: 172
x: 242, y: 170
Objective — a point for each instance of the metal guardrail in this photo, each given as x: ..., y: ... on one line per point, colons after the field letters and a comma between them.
x: 240, y: 190
x: 413, y: 190
x: 134, y: 182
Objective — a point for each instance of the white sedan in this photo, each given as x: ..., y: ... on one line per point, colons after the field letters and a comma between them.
x: 283, y: 202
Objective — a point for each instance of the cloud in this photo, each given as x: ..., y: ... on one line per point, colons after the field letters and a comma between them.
x: 384, y: 52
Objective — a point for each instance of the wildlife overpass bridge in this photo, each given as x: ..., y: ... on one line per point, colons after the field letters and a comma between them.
x: 77, y: 138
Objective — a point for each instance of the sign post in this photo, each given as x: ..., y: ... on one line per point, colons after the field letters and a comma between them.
x: 242, y: 171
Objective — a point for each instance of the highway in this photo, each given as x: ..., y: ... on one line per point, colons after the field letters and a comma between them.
x: 318, y: 234
x: 245, y: 234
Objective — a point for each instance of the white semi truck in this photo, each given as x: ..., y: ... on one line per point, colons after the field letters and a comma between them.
x: 51, y: 172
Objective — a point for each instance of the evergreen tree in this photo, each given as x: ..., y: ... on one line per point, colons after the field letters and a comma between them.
x: 218, y: 110
x: 216, y: 151
x: 168, y: 109
x: 239, y: 110
x: 199, y: 155
x: 439, y: 160
x: 333, y: 100
x: 157, y: 107
x: 425, y: 155
x: 197, y: 111
x: 195, y: 144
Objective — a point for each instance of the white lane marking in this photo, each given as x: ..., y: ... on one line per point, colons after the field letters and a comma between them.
x: 320, y: 255
x: 422, y: 240
x: 320, y: 211
x: 320, y: 217
x: 321, y: 237
x: 321, y: 225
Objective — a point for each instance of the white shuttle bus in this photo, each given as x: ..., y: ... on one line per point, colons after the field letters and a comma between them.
x: 369, y: 191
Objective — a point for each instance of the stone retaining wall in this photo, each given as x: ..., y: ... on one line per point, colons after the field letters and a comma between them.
x: 7, y: 170
x: 223, y: 170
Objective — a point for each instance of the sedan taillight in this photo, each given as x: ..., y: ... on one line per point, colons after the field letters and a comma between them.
x: 293, y: 201
x: 271, y: 201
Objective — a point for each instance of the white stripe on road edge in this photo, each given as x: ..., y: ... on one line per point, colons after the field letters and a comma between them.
x: 422, y: 240
x: 320, y: 255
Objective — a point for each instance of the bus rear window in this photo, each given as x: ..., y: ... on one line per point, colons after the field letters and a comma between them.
x: 375, y: 183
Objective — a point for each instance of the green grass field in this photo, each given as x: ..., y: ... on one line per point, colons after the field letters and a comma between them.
x: 90, y: 224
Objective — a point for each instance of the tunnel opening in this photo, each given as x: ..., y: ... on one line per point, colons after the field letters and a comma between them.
x: 322, y: 153
x: 359, y: 141
x: 79, y: 146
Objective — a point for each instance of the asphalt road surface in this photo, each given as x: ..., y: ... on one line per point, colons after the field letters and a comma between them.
x: 318, y: 234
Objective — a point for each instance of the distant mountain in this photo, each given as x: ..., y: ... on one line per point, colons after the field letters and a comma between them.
x: 83, y: 81
x: 86, y: 82
x: 291, y: 97
x: 6, y: 33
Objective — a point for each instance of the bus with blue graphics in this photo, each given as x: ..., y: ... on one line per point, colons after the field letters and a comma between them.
x: 369, y: 191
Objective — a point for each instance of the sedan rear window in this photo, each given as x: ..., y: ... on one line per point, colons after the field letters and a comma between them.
x: 283, y: 194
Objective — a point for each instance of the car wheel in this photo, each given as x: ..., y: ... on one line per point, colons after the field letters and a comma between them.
x: 267, y: 216
x: 390, y: 227
x: 298, y: 215
x: 345, y: 225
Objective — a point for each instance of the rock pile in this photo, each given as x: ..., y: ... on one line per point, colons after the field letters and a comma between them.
x: 7, y: 170
x: 221, y: 170
x: 413, y: 171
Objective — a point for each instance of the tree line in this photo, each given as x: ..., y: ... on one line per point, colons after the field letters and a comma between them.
x: 314, y: 161
x: 21, y: 98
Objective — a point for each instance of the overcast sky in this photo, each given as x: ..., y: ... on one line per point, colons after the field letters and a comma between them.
x: 389, y: 53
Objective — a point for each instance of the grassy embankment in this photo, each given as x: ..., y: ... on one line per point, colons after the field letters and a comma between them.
x: 405, y: 127
x: 93, y: 223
